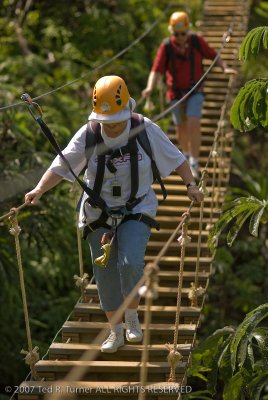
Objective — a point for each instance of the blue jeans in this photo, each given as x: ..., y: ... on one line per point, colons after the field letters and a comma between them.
x: 192, y: 107
x: 125, y: 265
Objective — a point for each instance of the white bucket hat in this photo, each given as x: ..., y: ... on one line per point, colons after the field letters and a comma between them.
x: 120, y: 116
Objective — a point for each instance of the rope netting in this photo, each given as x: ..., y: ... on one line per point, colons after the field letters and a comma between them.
x: 148, y: 284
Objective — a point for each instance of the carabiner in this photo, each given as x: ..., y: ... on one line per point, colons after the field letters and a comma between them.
x: 32, y: 105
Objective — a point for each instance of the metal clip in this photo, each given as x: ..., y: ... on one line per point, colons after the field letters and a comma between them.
x: 32, y: 105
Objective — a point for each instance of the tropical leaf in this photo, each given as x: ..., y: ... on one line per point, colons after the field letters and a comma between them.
x: 251, y: 355
x: 215, y: 360
x: 256, y: 41
x: 257, y: 384
x: 233, y: 387
x: 238, y: 211
x: 257, y: 105
x: 224, y: 363
x: 255, y: 221
x: 239, y: 103
x: 250, y: 106
x: 252, y: 42
x: 265, y: 39
x: 233, y: 232
x: 261, y: 337
x: 265, y: 122
x: 212, y: 342
x: 240, y: 340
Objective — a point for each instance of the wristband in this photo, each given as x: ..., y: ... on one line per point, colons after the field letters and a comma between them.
x: 191, y: 184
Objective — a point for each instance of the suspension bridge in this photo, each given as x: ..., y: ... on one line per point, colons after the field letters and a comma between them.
x: 178, y: 266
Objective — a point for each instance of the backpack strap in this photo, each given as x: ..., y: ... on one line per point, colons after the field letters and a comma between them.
x: 195, y: 45
x: 143, y: 140
x: 170, y: 58
x: 196, y: 42
x: 93, y: 139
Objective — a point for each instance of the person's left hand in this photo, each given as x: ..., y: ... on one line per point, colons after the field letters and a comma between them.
x: 194, y: 194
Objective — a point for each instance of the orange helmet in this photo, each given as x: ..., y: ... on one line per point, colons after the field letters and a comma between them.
x: 179, y: 22
x: 111, y: 100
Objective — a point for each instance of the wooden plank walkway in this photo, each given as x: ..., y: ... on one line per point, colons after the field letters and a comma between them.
x: 113, y: 376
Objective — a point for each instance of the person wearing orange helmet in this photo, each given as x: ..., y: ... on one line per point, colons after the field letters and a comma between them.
x: 180, y: 59
x: 119, y: 199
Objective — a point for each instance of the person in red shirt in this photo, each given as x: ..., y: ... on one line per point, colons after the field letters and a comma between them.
x: 180, y: 59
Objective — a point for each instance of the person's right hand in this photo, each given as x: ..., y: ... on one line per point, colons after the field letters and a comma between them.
x: 33, y: 196
x: 146, y: 92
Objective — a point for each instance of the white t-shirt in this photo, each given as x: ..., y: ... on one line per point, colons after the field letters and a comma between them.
x: 165, y: 154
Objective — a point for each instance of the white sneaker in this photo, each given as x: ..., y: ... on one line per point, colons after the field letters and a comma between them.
x: 133, y: 329
x: 113, y: 342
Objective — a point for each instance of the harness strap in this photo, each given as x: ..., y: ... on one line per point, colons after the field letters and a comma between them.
x: 120, y: 153
x: 101, y: 223
x: 143, y: 218
x: 96, y: 200
x: 134, y: 169
x: 99, y: 174
x: 145, y: 144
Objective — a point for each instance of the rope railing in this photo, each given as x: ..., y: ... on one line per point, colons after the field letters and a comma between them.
x: 174, y: 356
x: 13, y: 211
x: 150, y: 292
x: 32, y: 355
x: 83, y: 279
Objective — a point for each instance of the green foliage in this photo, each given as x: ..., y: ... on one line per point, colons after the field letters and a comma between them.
x: 250, y: 108
x: 252, y: 43
x: 238, y: 210
x: 235, y: 358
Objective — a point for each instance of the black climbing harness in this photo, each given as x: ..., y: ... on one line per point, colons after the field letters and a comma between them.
x: 93, y: 138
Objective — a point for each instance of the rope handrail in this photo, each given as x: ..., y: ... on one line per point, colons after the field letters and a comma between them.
x: 13, y: 211
x: 117, y: 55
x: 32, y: 355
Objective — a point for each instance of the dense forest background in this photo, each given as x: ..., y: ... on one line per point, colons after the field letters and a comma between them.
x: 43, y: 45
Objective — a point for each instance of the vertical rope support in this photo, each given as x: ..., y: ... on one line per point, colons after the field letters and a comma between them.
x: 174, y: 356
x: 195, y: 291
x: 223, y: 142
x: 150, y: 292
x: 81, y: 280
x: 83, y: 276
x: 32, y: 355
x: 221, y: 165
x: 214, y: 157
